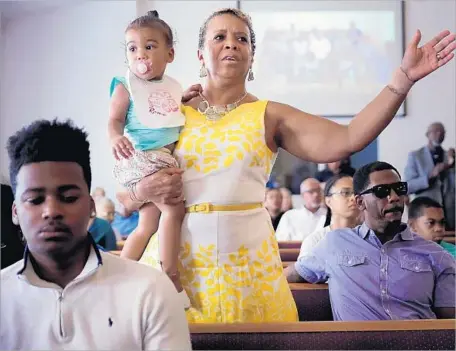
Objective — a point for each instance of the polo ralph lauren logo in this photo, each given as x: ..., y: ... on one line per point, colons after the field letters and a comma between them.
x: 110, y: 322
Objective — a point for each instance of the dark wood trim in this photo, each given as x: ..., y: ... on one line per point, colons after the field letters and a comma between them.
x: 291, y: 251
x: 307, y: 286
x: 321, y: 327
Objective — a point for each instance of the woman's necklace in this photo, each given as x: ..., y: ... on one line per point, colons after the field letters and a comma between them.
x: 214, y: 113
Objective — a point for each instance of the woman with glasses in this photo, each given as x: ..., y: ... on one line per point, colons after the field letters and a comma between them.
x: 342, y: 210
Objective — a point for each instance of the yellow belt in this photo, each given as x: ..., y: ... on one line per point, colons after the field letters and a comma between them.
x: 207, y: 207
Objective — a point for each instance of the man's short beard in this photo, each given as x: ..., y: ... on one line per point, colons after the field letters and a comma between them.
x: 314, y: 205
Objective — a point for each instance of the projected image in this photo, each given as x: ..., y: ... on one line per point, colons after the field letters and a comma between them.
x: 325, y: 62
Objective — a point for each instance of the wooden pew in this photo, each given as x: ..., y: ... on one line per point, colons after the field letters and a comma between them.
x: 289, y: 244
x: 449, y: 239
x: 312, y: 301
x: 371, y: 335
x: 289, y: 250
x: 289, y: 254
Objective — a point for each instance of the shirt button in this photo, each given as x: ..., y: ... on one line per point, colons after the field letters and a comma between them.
x: 387, y: 311
x: 383, y: 291
x: 417, y: 268
x: 349, y: 262
x: 382, y: 270
x: 383, y: 250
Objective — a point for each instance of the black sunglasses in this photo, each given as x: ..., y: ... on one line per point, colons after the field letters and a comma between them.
x: 384, y: 190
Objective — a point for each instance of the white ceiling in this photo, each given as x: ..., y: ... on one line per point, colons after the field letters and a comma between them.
x: 18, y: 8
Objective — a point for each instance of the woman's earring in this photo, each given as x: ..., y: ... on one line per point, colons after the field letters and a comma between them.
x: 203, y: 71
x: 250, y: 76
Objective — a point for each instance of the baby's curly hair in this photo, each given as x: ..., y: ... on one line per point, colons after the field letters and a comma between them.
x: 45, y: 140
x: 230, y: 11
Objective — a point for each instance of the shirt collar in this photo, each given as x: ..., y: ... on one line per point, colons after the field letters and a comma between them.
x: 93, y: 261
x: 363, y: 230
x: 321, y: 210
x: 405, y: 233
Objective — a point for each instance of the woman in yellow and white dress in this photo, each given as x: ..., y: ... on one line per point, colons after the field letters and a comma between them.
x: 230, y: 266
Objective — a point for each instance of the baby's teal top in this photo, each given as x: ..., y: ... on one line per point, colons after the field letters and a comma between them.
x: 144, y: 138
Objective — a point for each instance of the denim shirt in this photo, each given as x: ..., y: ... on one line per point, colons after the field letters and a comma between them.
x: 402, y: 279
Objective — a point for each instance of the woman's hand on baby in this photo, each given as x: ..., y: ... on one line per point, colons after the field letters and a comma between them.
x: 192, y: 92
x: 122, y: 148
x: 163, y: 187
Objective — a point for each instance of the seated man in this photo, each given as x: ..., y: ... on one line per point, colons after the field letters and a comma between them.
x: 381, y: 270
x: 333, y: 168
x: 65, y: 293
x: 298, y: 223
x: 105, y: 211
x: 98, y: 193
x: 102, y: 233
x: 426, y: 218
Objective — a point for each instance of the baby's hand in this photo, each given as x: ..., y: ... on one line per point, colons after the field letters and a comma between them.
x: 191, y: 93
x: 122, y: 148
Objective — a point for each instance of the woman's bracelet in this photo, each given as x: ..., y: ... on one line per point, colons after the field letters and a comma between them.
x: 395, y: 91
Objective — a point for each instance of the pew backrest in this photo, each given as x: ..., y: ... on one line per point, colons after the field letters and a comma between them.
x: 312, y: 301
x: 449, y: 237
x: 289, y: 254
x: 289, y: 244
x: 371, y: 335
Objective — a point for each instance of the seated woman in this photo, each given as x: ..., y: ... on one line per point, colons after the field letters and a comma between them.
x: 342, y: 210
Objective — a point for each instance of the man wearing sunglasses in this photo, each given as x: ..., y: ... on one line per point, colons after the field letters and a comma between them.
x: 381, y: 270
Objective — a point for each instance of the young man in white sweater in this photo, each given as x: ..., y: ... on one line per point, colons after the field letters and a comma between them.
x: 65, y: 293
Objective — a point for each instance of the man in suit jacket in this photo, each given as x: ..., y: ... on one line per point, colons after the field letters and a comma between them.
x: 430, y: 172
